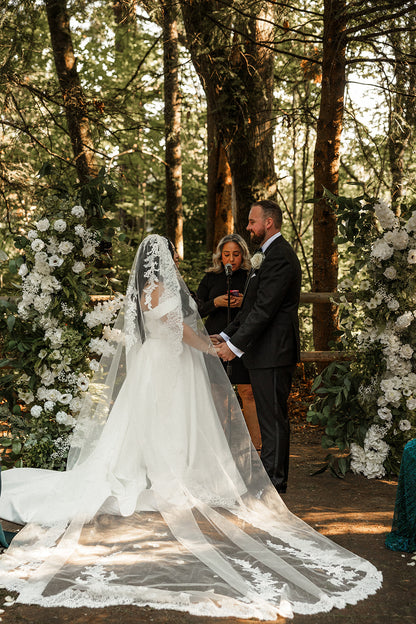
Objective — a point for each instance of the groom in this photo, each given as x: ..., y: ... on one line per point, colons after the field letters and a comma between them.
x: 265, y: 334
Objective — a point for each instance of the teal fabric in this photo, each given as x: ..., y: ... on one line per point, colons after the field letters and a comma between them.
x: 403, y: 532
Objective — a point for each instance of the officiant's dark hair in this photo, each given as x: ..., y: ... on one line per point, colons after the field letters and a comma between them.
x: 271, y: 209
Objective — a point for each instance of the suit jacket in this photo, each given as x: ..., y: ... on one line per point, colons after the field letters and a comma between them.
x: 267, y: 326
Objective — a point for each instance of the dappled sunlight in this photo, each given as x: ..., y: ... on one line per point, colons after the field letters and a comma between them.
x: 357, y: 522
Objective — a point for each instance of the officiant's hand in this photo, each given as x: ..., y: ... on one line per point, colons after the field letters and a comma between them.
x: 216, y: 339
x: 224, y: 352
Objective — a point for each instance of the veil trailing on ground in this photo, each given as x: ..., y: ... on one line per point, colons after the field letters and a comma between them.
x: 165, y: 501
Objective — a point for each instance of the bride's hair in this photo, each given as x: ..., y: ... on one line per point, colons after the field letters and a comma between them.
x: 217, y: 265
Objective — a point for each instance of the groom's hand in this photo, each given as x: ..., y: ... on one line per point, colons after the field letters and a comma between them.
x: 216, y: 339
x: 224, y: 352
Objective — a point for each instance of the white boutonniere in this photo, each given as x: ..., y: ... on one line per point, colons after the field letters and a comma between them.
x: 257, y: 259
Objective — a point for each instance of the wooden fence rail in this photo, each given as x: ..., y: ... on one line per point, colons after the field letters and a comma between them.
x: 305, y: 298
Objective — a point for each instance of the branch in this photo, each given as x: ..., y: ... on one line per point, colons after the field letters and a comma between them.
x: 376, y: 22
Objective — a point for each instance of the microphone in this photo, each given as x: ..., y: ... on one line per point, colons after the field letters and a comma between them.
x: 228, y: 270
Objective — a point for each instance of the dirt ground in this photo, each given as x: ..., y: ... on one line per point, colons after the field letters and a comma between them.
x: 355, y: 512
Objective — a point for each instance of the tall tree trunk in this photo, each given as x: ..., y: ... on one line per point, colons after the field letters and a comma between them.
x: 219, y: 198
x: 402, y: 108
x: 174, y: 211
x: 237, y: 75
x: 73, y: 98
x: 326, y: 169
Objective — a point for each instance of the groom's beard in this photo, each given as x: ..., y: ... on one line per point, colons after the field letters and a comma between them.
x: 258, y: 239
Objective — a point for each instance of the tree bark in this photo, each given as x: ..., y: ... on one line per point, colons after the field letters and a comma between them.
x: 402, y: 109
x: 326, y: 169
x: 73, y: 99
x: 237, y: 75
x: 174, y: 210
x: 220, y: 219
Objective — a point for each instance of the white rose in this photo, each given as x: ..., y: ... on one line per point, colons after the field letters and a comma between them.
x: 75, y: 404
x: 390, y: 273
x: 411, y: 404
x: 384, y: 413
x: 65, y: 247
x: 64, y: 419
x: 78, y: 267
x: 53, y: 395
x: 60, y: 225
x: 42, y: 225
x: 36, y: 411
x: 257, y: 260
x: 78, y: 211
x: 406, y: 351
x: 37, y: 245
x: 49, y: 405
x: 32, y: 234
x: 47, y: 378
x: 393, y: 304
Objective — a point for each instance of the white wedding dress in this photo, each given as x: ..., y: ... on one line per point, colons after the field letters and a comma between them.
x: 165, y: 502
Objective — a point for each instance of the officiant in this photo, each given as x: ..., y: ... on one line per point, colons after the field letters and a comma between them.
x: 212, y: 298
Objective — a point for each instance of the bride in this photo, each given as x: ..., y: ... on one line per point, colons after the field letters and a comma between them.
x: 164, y: 501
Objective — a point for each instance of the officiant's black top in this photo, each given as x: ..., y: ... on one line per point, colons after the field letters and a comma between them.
x: 213, y: 285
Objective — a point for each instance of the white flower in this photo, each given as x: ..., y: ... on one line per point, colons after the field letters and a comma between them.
x: 94, y: 365
x: 75, y: 404
x: 365, y: 285
x: 32, y: 234
x: 64, y: 419
x: 411, y: 223
x: 257, y: 260
x: 88, y: 250
x: 101, y: 346
x: 65, y: 399
x: 42, y: 225
x: 404, y: 320
x: 397, y: 238
x: 65, y: 247
x: 385, y: 216
x: 111, y: 334
x: 404, y: 425
x: 36, y: 411
x: 411, y: 256
x: 411, y: 404
x: 26, y: 397
x: 60, y: 225
x: 78, y: 211
x: 47, y: 378
x: 78, y: 267
x: 390, y: 273
x: 53, y: 395
x: 55, y: 261
x: 384, y: 413
x: 49, y: 405
x: 83, y: 382
x: 393, y: 304
x: 406, y: 351
x: 37, y: 244
x: 79, y: 230
x: 23, y: 271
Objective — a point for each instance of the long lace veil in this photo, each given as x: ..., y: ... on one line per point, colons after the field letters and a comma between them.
x: 165, y: 501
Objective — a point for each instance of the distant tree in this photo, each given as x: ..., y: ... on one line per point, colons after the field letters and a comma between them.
x: 73, y: 98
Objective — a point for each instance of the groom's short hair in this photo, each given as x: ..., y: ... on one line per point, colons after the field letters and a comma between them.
x: 271, y: 209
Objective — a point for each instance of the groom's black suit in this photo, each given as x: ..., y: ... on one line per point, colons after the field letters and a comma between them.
x: 267, y: 331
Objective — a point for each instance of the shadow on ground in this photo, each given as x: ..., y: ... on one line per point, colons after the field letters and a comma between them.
x: 355, y: 512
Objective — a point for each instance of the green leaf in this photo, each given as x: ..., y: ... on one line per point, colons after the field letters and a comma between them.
x: 11, y: 320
